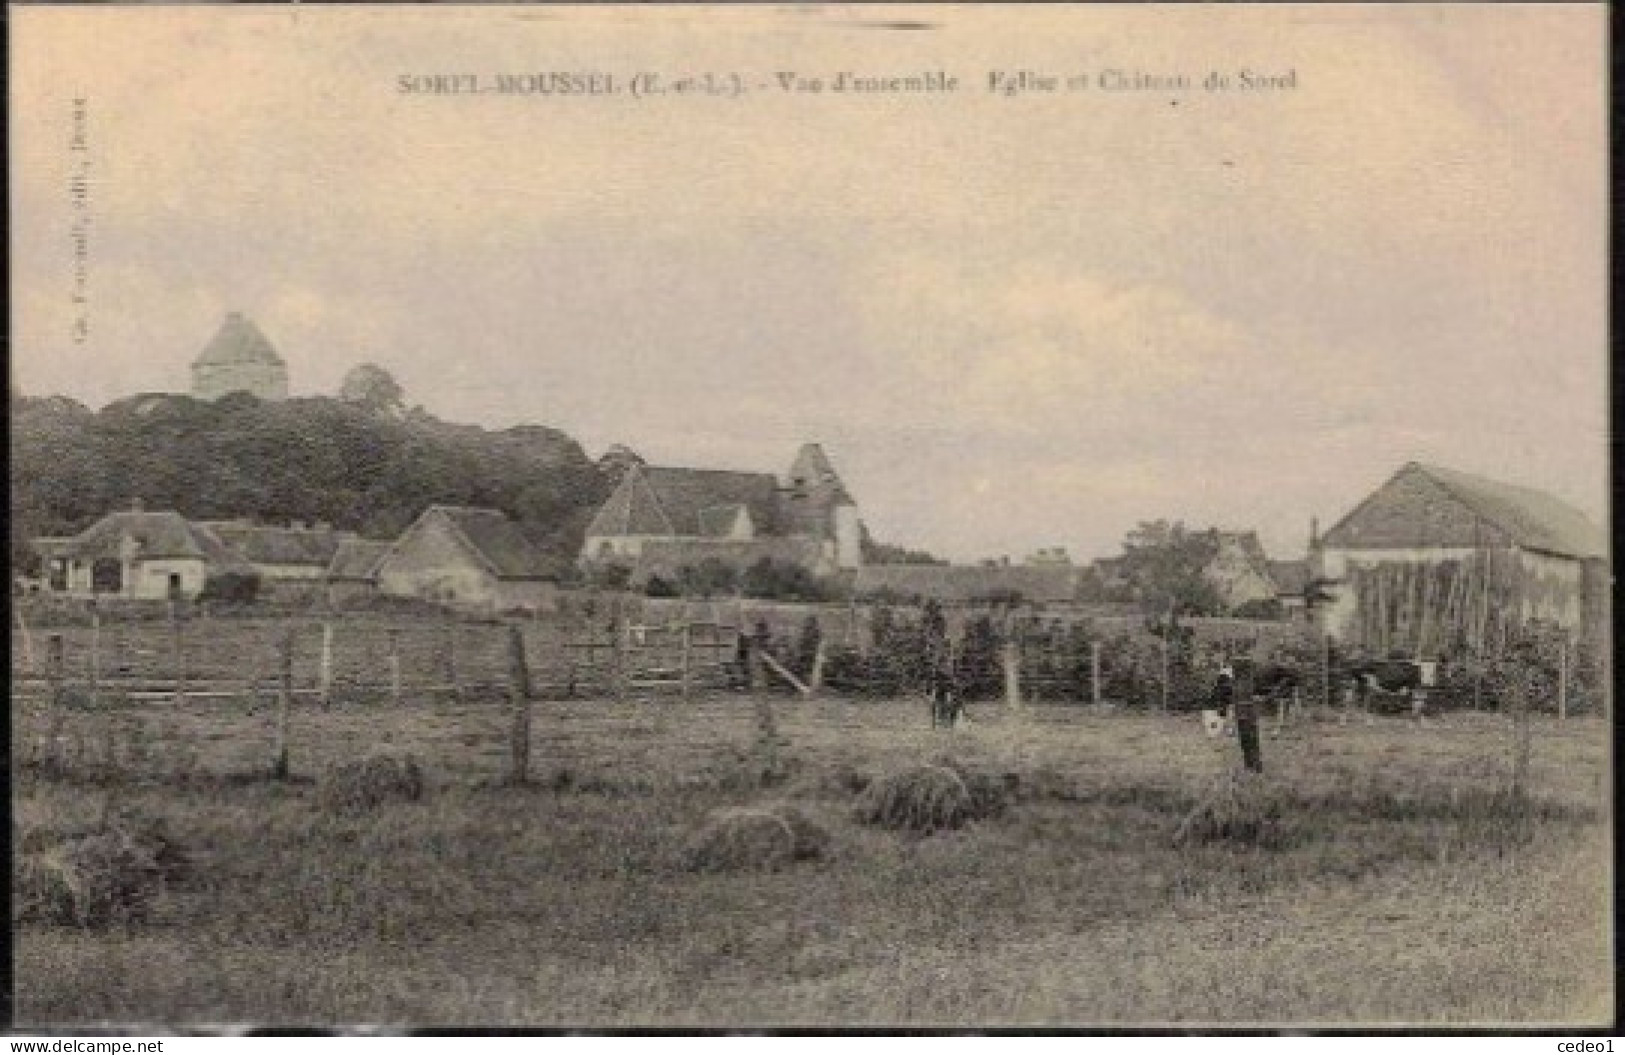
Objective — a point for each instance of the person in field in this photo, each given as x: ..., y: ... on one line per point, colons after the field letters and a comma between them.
x: 1216, y: 716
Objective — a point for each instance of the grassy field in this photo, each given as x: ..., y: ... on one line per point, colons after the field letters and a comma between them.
x: 1400, y: 883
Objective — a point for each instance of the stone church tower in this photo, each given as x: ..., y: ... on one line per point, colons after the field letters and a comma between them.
x: 239, y: 359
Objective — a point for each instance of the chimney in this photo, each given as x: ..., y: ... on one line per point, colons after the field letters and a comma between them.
x: 1314, y: 533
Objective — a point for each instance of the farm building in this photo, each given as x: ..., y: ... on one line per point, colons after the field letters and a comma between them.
x: 137, y: 555
x: 352, y: 574
x: 659, y: 519
x: 1437, y: 561
x: 1239, y: 571
x: 295, y: 553
x: 478, y: 557
x: 239, y: 359
x: 968, y: 583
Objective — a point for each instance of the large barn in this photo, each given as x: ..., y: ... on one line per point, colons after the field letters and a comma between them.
x: 659, y: 520
x: 467, y: 557
x: 1438, y: 562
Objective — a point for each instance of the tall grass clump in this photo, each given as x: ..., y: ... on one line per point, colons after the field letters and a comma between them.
x: 366, y: 784
x: 1245, y: 809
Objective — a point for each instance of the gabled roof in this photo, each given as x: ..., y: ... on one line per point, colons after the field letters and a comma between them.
x: 1533, y: 519
x: 496, y: 541
x: 1489, y: 512
x: 155, y: 535
x: 357, y: 558
x: 655, y: 500
x: 237, y: 341
x: 266, y: 544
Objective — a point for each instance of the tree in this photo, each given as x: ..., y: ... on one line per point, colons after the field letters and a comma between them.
x: 372, y: 387
x: 1165, y: 565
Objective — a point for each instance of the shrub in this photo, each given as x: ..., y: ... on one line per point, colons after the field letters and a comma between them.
x: 110, y: 874
x: 364, y: 785
x: 232, y: 587
x: 659, y: 587
x: 754, y: 839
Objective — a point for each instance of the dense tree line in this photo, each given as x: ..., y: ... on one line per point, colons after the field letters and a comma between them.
x: 341, y: 461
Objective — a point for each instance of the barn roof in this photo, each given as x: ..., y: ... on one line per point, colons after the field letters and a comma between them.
x: 1494, y: 510
x: 498, y: 542
x: 266, y: 544
x: 237, y: 341
x: 654, y: 500
x: 357, y: 558
x: 1534, y: 519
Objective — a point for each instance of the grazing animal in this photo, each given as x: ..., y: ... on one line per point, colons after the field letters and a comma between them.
x: 1389, y: 685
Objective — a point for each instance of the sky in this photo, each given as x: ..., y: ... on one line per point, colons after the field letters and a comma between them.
x: 1013, y: 321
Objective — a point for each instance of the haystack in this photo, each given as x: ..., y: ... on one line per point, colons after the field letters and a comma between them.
x: 754, y: 838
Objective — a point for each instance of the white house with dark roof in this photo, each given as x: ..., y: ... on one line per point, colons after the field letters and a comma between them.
x: 137, y: 555
x: 659, y: 519
x: 1436, y: 558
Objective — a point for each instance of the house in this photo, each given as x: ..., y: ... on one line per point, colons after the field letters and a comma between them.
x: 239, y: 359
x: 138, y: 555
x: 967, y: 583
x: 295, y: 553
x: 659, y: 519
x: 1439, y: 561
x: 1239, y: 570
x: 353, y: 572
x: 462, y: 556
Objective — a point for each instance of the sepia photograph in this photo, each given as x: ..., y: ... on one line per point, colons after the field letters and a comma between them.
x: 810, y: 516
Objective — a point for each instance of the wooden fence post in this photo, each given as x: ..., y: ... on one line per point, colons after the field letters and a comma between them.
x: 28, y: 641
x: 1167, y: 631
x: 394, y: 666
x: 1094, y: 672
x: 519, y: 698
x: 284, y: 701
x: 688, y: 658
x: 451, y: 660
x: 326, y: 676
x: 56, y: 662
x: 617, y: 655
x: 95, y: 654
x: 816, y: 682
x: 176, y: 634
x: 1010, y: 657
x: 1562, y: 677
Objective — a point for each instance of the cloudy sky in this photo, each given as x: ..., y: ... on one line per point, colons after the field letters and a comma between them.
x: 1013, y: 321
